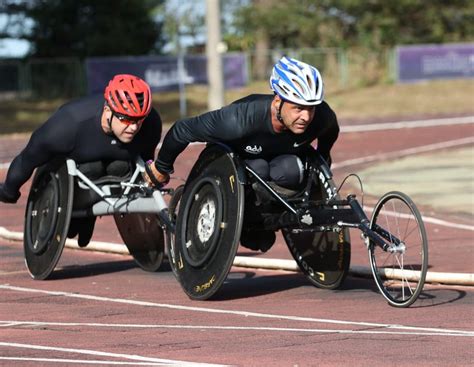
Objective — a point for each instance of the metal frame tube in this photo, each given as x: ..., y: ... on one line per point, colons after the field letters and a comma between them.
x: 273, y: 192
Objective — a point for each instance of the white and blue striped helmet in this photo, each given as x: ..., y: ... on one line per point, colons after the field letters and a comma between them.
x: 297, y: 82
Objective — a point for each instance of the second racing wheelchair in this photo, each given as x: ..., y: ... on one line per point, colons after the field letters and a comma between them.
x: 218, y: 200
x: 64, y: 196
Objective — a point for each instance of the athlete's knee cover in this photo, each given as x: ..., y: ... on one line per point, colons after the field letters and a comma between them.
x: 100, y: 169
x: 260, y: 167
x: 98, y: 172
x: 287, y: 171
x: 93, y: 170
x: 117, y: 168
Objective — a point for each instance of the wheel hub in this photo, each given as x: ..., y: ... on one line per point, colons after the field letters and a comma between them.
x: 206, y: 220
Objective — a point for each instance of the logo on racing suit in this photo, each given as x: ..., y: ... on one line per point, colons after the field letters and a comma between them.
x: 296, y: 145
x: 253, y: 150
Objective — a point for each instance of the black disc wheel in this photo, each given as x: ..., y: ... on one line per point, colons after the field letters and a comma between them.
x: 400, y: 269
x: 144, y: 238
x: 47, y: 218
x: 208, y: 225
x: 324, y: 257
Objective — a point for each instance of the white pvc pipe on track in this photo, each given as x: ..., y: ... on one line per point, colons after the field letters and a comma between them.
x: 265, y: 263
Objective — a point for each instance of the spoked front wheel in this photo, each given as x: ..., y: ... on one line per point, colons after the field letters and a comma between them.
x: 399, y: 270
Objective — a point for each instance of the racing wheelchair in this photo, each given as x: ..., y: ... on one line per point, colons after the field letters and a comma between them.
x: 62, y: 195
x: 217, y: 201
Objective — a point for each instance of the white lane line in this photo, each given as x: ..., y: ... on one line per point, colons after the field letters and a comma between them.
x: 166, y: 362
x: 8, y: 324
x: 404, y: 152
x: 82, y: 361
x: 426, y: 219
x: 447, y: 224
x: 408, y: 124
x: 227, y: 312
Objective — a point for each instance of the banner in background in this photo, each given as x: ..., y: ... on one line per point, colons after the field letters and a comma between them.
x: 445, y: 61
x: 163, y: 73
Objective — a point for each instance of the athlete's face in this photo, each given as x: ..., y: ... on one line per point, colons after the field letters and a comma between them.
x: 125, y: 130
x: 297, y: 118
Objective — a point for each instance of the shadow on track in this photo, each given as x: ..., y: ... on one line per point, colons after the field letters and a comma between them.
x: 245, y: 284
x: 87, y: 270
x: 438, y: 297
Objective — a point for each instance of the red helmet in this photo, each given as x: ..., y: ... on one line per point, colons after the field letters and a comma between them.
x: 128, y: 95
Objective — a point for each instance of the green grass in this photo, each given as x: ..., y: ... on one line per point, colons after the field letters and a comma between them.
x: 388, y: 101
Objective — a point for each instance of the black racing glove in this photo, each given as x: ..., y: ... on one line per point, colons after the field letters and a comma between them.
x: 6, y: 197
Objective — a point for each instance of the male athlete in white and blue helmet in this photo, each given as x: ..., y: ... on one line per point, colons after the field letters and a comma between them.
x: 271, y: 132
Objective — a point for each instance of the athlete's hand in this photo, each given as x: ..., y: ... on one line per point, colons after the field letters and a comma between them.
x: 153, y: 177
x: 6, y: 197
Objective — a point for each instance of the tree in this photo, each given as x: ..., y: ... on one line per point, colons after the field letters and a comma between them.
x: 377, y: 23
x: 346, y: 23
x: 84, y: 28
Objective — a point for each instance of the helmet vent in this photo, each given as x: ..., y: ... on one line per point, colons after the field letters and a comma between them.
x: 310, y: 82
x: 298, y: 86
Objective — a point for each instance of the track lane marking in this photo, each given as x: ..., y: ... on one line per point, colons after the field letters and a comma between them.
x: 83, y: 361
x: 407, y: 124
x: 9, y: 323
x: 166, y: 362
x: 404, y: 152
x: 228, y: 312
x: 426, y: 219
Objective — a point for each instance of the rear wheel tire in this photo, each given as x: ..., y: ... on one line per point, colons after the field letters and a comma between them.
x: 324, y: 257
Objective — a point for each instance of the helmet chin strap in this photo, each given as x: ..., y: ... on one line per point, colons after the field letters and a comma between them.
x: 109, y: 124
x: 278, y: 114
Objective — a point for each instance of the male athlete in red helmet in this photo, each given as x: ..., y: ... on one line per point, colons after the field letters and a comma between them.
x: 98, y: 132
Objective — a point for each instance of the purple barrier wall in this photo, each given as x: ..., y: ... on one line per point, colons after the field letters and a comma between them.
x: 446, y: 61
x: 161, y: 72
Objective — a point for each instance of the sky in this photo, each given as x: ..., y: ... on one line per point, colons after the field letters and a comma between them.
x: 12, y: 47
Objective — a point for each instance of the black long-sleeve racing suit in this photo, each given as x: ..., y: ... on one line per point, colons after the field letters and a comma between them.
x: 246, y: 127
x: 75, y: 131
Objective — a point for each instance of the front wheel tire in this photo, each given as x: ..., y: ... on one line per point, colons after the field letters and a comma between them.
x: 399, y: 271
